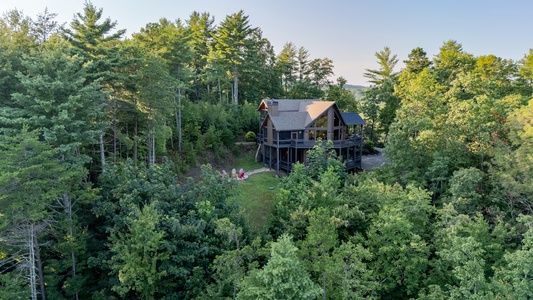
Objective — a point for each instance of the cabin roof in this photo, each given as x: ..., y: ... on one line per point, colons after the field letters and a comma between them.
x: 296, y: 114
x: 353, y: 119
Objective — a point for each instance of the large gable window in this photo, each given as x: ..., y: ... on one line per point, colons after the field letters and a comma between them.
x: 315, y: 134
x: 337, y: 120
x: 320, y: 127
x: 322, y: 122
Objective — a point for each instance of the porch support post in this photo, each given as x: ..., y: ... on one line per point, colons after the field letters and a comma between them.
x: 263, y: 159
x: 290, y: 156
x: 270, y: 157
x: 277, y: 153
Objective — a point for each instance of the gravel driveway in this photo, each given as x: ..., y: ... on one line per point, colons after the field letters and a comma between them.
x: 370, y: 162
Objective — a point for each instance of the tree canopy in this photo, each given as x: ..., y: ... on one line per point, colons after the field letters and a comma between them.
x: 106, y: 191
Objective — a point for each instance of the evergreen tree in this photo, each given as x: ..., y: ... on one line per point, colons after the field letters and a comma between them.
x: 451, y: 61
x: 58, y: 101
x: 45, y: 27
x: 320, y: 71
x: 201, y: 27
x: 286, y: 66
x: 382, y: 104
x: 93, y: 41
x: 16, y: 41
x: 170, y: 42
x: 417, y: 61
x: 232, y: 49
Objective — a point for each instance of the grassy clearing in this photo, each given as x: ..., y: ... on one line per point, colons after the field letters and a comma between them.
x: 256, y: 197
x: 247, y: 161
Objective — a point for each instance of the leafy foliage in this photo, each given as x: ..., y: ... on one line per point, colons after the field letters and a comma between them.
x: 447, y: 217
x: 283, y: 277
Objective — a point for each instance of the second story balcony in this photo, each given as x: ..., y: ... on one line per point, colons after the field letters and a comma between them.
x: 354, y: 140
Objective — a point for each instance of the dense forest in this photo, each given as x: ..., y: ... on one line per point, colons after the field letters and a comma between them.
x: 98, y: 133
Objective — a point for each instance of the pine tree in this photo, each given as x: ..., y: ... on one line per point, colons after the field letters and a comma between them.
x: 232, y: 47
x: 94, y: 42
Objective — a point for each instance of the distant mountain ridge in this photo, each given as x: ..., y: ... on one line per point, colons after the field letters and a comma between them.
x: 355, y: 87
x: 356, y: 90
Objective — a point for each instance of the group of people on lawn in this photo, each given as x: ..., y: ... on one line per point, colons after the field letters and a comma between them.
x: 234, y: 174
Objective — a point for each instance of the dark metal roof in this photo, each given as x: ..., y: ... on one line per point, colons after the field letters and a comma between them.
x: 353, y: 119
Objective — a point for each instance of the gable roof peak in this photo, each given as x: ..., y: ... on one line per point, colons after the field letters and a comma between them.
x: 294, y: 114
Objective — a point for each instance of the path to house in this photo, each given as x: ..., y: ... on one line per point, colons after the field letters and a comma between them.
x: 261, y: 170
x: 369, y: 162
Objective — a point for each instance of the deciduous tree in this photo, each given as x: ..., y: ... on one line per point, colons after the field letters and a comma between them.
x: 283, y: 277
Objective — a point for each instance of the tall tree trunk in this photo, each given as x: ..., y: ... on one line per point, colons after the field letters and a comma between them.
x: 67, y: 204
x: 196, y: 85
x: 178, y: 116
x: 236, y: 87
x: 152, y: 160
x: 135, y: 139
x: 102, y: 152
x: 180, y: 138
x: 33, y: 267
x: 114, y: 129
x: 177, y: 112
x: 219, y: 92
x: 39, y: 262
x: 150, y: 143
x: 178, y: 122
x: 234, y: 289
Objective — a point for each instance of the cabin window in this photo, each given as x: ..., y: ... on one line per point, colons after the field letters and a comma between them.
x: 337, y: 121
x: 284, y: 135
x: 322, y: 122
x: 323, y: 134
x: 315, y: 134
x: 294, y: 135
x: 337, y: 134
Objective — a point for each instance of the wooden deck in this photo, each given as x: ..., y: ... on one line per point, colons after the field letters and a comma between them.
x: 308, y: 144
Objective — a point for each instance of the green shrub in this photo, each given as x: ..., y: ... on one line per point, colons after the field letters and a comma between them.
x: 250, y: 136
x: 368, y: 147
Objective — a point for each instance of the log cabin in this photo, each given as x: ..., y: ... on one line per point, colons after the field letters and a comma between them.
x: 289, y: 128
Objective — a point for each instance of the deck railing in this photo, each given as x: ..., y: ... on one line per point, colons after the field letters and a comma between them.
x: 300, y: 143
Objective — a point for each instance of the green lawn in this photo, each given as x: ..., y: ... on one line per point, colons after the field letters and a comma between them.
x: 246, y: 161
x: 256, y: 196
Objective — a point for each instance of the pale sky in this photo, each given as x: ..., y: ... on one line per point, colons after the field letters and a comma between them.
x: 348, y: 32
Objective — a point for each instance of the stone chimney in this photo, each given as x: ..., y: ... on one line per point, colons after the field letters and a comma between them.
x: 273, y: 108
